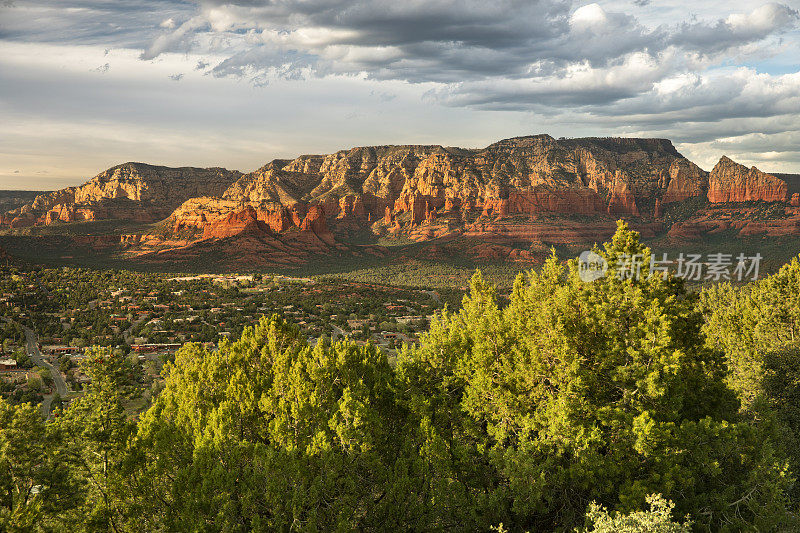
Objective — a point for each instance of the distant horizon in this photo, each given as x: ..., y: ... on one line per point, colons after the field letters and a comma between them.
x: 82, y: 180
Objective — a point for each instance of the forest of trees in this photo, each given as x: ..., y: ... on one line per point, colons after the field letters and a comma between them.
x: 616, y: 405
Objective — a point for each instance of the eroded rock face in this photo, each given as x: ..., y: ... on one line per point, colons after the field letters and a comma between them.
x: 515, y: 190
x: 525, y: 175
x: 732, y: 182
x: 235, y: 223
x: 315, y: 221
x: 622, y: 201
x: 131, y: 191
x: 428, y: 191
x: 685, y: 180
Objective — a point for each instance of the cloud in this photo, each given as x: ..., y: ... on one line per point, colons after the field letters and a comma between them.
x: 505, y: 48
x: 580, y: 85
x: 771, y: 152
x: 740, y: 93
x: 383, y: 96
x: 448, y: 41
x: 568, y: 67
x: 737, y: 29
x: 111, y: 24
x: 563, y: 62
x: 180, y: 39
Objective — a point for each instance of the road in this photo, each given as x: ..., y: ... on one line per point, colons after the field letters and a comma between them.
x: 36, y: 357
x: 336, y: 331
x: 126, y: 335
x: 434, y: 295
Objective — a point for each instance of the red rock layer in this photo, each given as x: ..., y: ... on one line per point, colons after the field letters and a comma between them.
x: 685, y: 180
x: 131, y: 191
x: 516, y: 189
x: 732, y: 182
x: 245, y: 221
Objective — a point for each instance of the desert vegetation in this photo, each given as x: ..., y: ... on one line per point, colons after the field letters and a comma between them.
x: 621, y: 404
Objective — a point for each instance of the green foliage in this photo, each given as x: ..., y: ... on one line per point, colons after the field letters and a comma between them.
x: 657, y: 520
x: 95, y: 433
x: 757, y: 327
x: 35, y: 383
x: 267, y: 433
x: 35, y: 486
x: 524, y: 411
x: 598, y: 391
x: 747, y: 323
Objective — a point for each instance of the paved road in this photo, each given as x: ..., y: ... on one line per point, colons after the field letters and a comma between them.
x: 434, y: 295
x: 126, y: 335
x: 336, y: 332
x: 36, y: 356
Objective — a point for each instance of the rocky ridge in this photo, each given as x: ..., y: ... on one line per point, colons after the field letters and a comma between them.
x: 131, y: 191
x: 534, y: 189
x: 399, y: 187
x: 732, y: 182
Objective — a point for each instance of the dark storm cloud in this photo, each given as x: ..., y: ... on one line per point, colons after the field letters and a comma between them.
x: 617, y: 66
x: 473, y: 49
x: 451, y: 40
x: 418, y: 41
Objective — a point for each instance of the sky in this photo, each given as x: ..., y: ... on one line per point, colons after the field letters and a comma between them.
x: 88, y: 84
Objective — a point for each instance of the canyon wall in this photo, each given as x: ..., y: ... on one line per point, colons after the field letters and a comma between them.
x: 732, y: 182
x: 131, y: 191
x: 404, y: 186
x: 523, y: 189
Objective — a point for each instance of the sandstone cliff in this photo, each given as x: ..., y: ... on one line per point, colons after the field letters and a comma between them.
x: 132, y: 191
x: 732, y: 182
x: 684, y: 180
x: 500, y: 192
x: 405, y: 186
x: 520, y: 190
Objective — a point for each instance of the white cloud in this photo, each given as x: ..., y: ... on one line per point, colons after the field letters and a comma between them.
x: 180, y: 39
x: 711, y: 76
x: 762, y: 20
x: 590, y: 17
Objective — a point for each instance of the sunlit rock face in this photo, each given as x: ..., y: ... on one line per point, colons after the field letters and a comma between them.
x: 131, y: 191
x: 526, y: 175
x: 521, y: 190
x: 732, y: 182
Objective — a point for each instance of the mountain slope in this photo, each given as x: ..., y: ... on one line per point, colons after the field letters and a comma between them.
x: 525, y: 175
x: 133, y: 191
x: 511, y: 199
